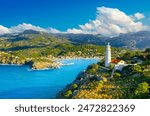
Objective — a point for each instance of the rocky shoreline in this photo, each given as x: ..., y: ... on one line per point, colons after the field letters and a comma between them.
x: 45, y: 65
x: 55, y: 63
x: 38, y: 64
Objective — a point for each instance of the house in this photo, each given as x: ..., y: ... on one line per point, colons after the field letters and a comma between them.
x: 118, y: 64
x: 118, y: 61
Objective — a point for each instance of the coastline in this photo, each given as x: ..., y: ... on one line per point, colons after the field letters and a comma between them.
x: 49, y: 81
x: 58, y: 61
x: 75, y: 58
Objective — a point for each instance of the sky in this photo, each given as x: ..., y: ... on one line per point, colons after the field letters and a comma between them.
x: 75, y: 16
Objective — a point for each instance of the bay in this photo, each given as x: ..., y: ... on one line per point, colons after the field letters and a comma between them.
x: 20, y: 82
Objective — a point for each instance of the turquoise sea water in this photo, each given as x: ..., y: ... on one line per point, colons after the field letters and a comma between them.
x: 19, y: 82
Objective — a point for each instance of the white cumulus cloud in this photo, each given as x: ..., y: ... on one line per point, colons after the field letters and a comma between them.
x: 75, y: 31
x: 139, y: 16
x: 52, y: 30
x: 111, y: 22
x: 3, y: 30
x: 24, y: 26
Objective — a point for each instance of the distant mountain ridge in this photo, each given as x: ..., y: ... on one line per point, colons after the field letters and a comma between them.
x: 140, y: 40
x: 137, y: 40
x: 84, y: 38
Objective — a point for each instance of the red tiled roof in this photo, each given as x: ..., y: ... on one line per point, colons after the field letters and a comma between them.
x: 115, y: 61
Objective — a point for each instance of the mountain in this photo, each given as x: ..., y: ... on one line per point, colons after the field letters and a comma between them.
x: 29, y: 39
x: 33, y: 44
x: 84, y: 38
x: 31, y: 32
x: 140, y: 40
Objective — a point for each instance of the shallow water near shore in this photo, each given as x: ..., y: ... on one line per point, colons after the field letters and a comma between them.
x: 19, y: 82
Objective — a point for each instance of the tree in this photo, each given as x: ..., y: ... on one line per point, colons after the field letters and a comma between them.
x: 128, y: 55
x: 101, y: 63
x: 100, y: 84
x: 148, y: 56
x: 117, y: 75
x: 74, y: 86
x: 91, y: 71
x: 112, y: 66
x: 142, y: 89
x: 68, y: 94
x: 136, y: 69
x: 147, y: 50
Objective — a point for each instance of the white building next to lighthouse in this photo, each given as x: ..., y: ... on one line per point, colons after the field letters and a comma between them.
x: 108, y: 56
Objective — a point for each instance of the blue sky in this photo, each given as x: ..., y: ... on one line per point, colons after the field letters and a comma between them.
x: 64, y: 14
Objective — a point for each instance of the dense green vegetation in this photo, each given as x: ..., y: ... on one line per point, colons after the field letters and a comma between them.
x: 131, y: 83
x: 6, y: 58
x: 42, y: 48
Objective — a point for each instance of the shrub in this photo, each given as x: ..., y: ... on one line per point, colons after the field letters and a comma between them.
x: 136, y: 69
x: 117, y: 75
x: 68, y: 94
x: 142, y: 88
x: 74, y: 86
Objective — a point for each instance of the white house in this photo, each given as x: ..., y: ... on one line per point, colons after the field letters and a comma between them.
x: 118, y: 64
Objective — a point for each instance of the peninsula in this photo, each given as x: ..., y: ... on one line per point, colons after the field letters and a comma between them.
x: 127, y: 76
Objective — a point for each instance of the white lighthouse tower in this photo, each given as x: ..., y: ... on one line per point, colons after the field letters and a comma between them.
x: 108, y: 55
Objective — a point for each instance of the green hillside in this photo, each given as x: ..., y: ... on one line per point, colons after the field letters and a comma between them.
x: 37, y: 48
x: 132, y: 82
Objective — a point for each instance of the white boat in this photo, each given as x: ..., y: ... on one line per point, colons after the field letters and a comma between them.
x: 68, y: 64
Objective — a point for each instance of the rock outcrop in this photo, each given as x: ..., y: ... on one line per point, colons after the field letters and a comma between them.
x: 45, y: 65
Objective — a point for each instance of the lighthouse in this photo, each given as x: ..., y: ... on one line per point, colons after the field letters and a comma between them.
x: 108, y: 55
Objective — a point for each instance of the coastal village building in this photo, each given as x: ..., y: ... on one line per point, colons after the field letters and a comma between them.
x: 118, y: 63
